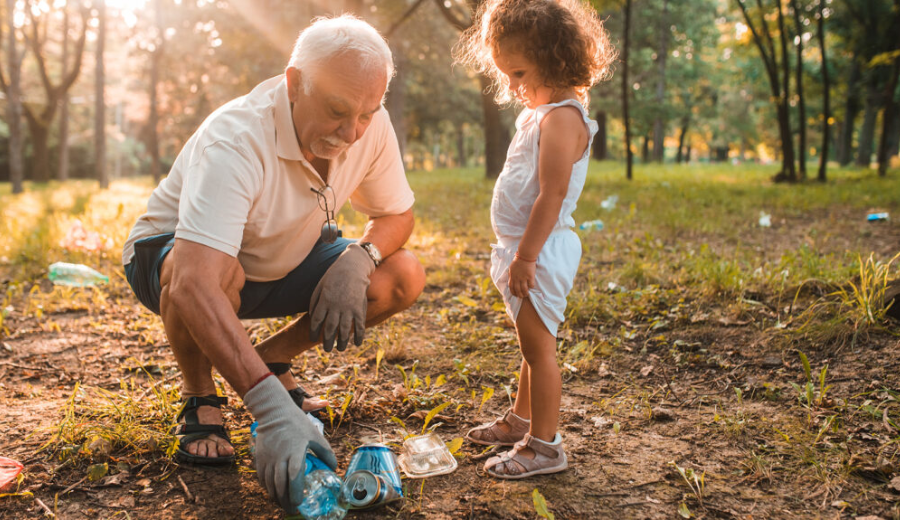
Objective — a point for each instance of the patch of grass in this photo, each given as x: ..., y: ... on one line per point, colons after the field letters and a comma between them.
x: 852, y: 309
x: 132, y: 422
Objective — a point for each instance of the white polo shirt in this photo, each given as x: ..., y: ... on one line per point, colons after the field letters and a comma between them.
x: 242, y: 186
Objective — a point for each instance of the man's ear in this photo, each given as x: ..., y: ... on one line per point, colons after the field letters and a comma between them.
x: 294, y: 83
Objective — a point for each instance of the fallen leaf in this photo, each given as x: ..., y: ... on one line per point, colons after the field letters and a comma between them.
x: 895, y: 484
x: 97, y: 471
x: 646, y: 370
x: 113, y: 480
x: 603, y: 371
x: 600, y: 422
x: 144, y: 482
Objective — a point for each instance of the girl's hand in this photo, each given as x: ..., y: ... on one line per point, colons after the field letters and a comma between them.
x: 521, y: 277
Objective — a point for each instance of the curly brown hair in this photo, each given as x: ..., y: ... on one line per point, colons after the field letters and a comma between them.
x: 564, y: 38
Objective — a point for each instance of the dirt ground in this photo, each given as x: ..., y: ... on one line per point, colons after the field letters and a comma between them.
x: 663, y: 399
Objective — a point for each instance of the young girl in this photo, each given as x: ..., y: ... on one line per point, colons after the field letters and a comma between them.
x: 546, y: 54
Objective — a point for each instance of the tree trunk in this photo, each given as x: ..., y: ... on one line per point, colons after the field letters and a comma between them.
x: 826, y: 97
x: 153, y: 119
x: 63, y: 172
x: 496, y: 136
x: 787, y: 138
x: 685, y: 121
x: 600, y: 139
x: 14, y: 102
x: 100, y: 101
x: 629, y: 159
x: 687, y: 154
x: 851, y: 110
x: 645, y: 150
x: 887, y: 120
x: 801, y: 104
x: 461, y: 145
x: 659, y: 125
x: 867, y: 132
x: 894, y: 134
x: 40, y: 134
x: 396, y: 97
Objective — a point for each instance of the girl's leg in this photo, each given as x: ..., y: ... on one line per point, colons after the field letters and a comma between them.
x: 522, y: 406
x: 545, y: 384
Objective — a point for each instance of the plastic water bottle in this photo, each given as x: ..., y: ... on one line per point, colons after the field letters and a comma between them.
x: 591, y: 225
x: 322, y: 489
x: 75, y: 275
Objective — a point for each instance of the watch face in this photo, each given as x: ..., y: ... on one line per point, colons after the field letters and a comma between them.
x: 373, y: 251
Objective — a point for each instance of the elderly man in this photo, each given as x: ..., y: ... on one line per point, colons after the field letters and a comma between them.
x: 244, y: 227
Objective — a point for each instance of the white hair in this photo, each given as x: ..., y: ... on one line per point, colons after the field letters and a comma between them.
x: 329, y: 38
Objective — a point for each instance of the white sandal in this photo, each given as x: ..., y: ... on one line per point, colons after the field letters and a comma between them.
x: 549, y: 457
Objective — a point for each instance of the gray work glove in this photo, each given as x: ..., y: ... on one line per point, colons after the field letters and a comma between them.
x: 339, y: 301
x: 283, y: 435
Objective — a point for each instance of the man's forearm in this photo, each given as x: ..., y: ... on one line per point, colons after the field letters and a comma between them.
x: 390, y: 232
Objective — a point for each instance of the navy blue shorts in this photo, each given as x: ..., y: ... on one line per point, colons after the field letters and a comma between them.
x: 285, y: 297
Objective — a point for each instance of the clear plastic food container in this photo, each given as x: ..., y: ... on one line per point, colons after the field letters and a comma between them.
x: 426, y: 456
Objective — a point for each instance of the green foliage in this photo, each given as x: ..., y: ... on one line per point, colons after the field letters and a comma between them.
x: 540, y: 505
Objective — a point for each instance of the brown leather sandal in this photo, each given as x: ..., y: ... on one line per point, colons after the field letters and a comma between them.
x: 549, y: 457
x: 492, y: 434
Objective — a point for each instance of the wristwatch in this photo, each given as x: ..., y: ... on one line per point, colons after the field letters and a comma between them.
x: 373, y: 251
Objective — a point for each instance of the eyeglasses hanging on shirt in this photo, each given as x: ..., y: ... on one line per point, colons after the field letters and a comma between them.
x: 327, y: 202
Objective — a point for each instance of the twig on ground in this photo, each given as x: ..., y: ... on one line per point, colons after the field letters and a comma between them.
x: 16, y: 365
x: 73, y: 486
x: 187, y: 491
x: 46, y: 509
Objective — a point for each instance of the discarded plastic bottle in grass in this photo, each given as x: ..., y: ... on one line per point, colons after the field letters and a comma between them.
x: 322, y: 489
x: 75, y: 275
x: 591, y: 225
x: 875, y: 217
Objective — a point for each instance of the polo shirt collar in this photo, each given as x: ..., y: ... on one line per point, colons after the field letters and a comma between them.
x: 285, y: 136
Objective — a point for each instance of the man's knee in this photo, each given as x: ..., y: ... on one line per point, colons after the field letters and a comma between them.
x: 408, y: 278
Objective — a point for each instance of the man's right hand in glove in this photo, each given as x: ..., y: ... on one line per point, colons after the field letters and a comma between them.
x: 283, y: 435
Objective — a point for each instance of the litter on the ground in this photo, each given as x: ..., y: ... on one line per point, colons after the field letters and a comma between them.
x: 765, y: 220
x: 9, y: 470
x: 876, y: 217
x: 591, y: 225
x: 609, y: 203
x: 426, y: 456
x: 75, y: 275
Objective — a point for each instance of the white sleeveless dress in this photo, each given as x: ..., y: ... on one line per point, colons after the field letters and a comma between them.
x: 515, y: 192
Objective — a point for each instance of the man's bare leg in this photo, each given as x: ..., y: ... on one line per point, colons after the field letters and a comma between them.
x: 196, y: 368
x: 393, y: 287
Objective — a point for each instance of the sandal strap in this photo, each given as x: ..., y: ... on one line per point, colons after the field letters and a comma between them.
x: 192, y: 403
x: 196, y: 431
x: 543, y: 448
x: 299, y: 395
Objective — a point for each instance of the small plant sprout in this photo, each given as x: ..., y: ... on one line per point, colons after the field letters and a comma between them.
x: 436, y: 410
x: 488, y: 393
x: 378, y: 357
x: 455, y: 445
x: 540, y: 505
x: 809, y: 395
x: 695, y: 482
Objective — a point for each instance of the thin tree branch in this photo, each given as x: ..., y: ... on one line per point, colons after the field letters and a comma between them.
x: 451, y: 17
x: 403, y: 18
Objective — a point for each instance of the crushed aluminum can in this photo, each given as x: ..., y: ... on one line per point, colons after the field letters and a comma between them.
x: 372, y: 478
